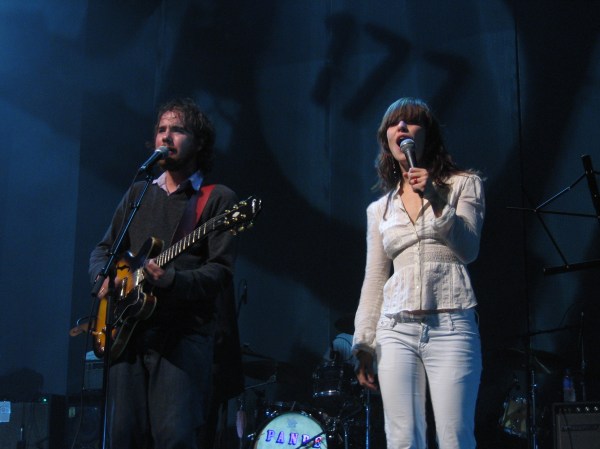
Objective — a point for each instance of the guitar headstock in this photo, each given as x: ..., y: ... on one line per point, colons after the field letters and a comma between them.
x: 242, y: 215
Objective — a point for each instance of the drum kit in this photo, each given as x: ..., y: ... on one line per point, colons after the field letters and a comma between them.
x: 339, y: 415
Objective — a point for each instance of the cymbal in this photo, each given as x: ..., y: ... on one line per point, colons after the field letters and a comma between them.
x: 266, y: 369
x: 345, y: 324
x: 543, y: 361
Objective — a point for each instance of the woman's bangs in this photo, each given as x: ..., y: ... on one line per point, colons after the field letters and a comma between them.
x: 409, y: 112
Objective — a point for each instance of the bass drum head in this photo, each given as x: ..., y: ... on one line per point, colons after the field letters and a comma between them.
x: 291, y: 429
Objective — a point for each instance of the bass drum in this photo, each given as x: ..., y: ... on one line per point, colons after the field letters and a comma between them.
x: 291, y: 429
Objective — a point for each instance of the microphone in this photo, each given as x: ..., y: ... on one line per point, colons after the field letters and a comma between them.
x: 407, y: 146
x: 159, y: 153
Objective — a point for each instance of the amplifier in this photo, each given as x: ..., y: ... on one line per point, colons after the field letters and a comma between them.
x: 39, y: 424
x: 94, y: 371
x: 83, y: 421
x: 576, y: 425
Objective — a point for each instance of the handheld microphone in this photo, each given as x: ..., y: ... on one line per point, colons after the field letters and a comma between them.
x: 159, y: 153
x: 407, y: 146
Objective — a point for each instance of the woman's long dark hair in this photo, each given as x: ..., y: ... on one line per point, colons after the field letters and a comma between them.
x: 435, y: 157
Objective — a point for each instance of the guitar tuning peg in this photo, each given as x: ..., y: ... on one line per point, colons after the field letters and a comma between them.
x: 233, y: 231
x: 249, y: 225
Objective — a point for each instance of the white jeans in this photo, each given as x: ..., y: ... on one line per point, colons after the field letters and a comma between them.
x: 444, y: 351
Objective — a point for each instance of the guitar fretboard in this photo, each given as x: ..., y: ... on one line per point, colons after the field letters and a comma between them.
x: 198, y: 234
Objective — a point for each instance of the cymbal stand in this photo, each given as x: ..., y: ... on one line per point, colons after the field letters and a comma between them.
x: 368, y: 419
x: 531, y: 408
x: 346, y: 426
x: 583, y: 362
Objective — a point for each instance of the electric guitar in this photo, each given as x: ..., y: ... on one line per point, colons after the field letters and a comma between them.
x: 133, y: 299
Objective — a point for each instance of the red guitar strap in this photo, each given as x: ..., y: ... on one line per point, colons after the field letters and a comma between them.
x: 193, y: 211
x: 205, y: 192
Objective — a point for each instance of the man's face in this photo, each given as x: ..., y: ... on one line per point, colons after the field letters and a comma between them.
x: 172, y: 133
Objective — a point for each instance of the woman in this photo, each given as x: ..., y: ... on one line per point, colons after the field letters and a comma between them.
x: 419, y: 324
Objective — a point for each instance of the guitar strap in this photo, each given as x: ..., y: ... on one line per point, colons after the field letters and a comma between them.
x: 191, y: 215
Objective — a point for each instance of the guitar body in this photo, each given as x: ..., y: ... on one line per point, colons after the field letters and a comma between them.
x: 131, y: 303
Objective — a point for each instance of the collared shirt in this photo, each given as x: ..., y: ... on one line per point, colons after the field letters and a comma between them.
x: 196, y: 181
x: 428, y: 256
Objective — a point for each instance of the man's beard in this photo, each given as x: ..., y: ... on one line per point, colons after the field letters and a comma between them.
x: 176, y: 165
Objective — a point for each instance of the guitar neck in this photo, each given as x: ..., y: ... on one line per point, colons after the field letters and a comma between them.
x: 235, y: 220
x: 176, y: 249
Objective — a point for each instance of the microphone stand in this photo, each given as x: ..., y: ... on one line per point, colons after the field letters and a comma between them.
x: 590, y: 174
x: 109, y: 271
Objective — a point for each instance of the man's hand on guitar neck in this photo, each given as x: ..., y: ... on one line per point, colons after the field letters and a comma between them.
x: 158, y: 276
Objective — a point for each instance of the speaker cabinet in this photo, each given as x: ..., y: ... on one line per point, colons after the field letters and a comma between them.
x: 39, y: 424
x: 576, y: 425
x: 83, y: 421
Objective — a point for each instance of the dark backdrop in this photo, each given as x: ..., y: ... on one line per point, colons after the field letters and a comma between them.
x: 296, y: 90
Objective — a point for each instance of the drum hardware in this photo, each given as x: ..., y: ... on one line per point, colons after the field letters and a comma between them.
x: 335, y: 387
x: 367, y: 419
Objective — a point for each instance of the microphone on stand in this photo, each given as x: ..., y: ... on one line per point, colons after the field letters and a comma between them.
x: 159, y: 153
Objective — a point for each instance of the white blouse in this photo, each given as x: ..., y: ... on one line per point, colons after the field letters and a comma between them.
x: 429, y: 257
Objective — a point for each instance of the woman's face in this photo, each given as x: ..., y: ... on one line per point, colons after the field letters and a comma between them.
x: 396, y: 133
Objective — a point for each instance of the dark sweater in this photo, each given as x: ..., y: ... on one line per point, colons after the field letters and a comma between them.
x: 203, y: 271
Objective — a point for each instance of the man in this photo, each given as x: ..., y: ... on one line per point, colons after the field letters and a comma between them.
x: 163, y: 389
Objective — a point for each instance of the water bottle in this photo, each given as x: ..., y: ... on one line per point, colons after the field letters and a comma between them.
x: 568, y: 387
